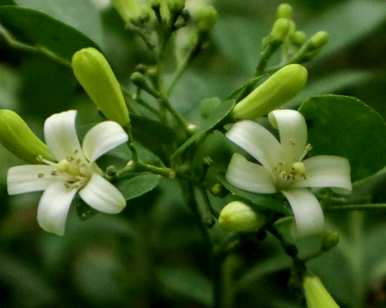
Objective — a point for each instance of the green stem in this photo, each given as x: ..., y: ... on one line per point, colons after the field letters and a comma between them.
x: 13, y: 43
x: 136, y: 166
x: 356, y: 207
x: 265, y: 56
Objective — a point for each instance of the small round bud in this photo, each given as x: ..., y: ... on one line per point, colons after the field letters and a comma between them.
x: 284, y: 10
x: 176, y: 6
x: 330, y: 240
x: 206, y: 17
x: 280, y: 29
x: 19, y: 139
x: 128, y: 9
x: 316, y: 294
x: 319, y: 39
x: 218, y: 190
x: 298, y: 38
x: 97, y: 78
x: 236, y: 216
x: 208, y: 105
x: 138, y: 79
x: 272, y: 93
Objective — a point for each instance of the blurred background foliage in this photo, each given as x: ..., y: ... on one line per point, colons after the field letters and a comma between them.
x: 153, y: 255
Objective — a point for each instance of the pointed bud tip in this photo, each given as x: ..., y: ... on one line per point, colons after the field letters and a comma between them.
x: 280, y: 29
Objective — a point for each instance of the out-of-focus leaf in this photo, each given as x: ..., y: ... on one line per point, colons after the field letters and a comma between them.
x: 347, y: 22
x: 186, y: 283
x: 9, y: 85
x: 345, y: 126
x: 25, y: 282
x: 41, y: 30
x: 138, y: 185
x: 332, y: 84
x: 81, y: 15
x: 239, y: 39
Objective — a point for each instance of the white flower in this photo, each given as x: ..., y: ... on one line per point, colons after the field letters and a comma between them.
x: 282, y: 166
x: 73, y: 171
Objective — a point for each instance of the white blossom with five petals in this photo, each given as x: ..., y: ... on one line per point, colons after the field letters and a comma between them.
x: 283, y: 168
x: 73, y: 171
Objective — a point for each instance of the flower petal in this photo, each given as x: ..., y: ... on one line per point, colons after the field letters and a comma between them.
x: 249, y: 176
x: 306, y: 208
x: 103, y: 196
x: 257, y: 141
x: 29, y: 178
x: 292, y: 130
x: 53, y: 208
x: 327, y: 171
x: 102, y: 138
x: 60, y: 134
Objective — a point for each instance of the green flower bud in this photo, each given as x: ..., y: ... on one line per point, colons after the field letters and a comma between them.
x: 280, y: 29
x: 206, y: 17
x: 19, y: 139
x: 298, y: 38
x: 284, y: 10
x: 238, y: 217
x: 272, y: 93
x: 330, y: 240
x: 97, y: 78
x: 319, y: 39
x: 176, y: 6
x: 127, y: 9
x: 316, y: 294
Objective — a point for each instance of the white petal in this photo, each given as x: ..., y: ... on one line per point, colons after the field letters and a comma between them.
x: 249, y: 176
x: 257, y: 141
x: 292, y: 130
x: 53, y: 208
x: 306, y: 208
x: 60, y: 134
x: 103, y: 196
x: 102, y: 138
x: 29, y: 178
x: 327, y: 171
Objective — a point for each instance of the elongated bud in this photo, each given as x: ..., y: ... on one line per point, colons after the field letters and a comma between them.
x: 19, y: 139
x: 236, y: 216
x: 206, y: 17
x: 280, y: 29
x: 284, y: 10
x: 319, y: 39
x: 330, y: 240
x: 316, y: 294
x: 97, y: 78
x: 271, y: 94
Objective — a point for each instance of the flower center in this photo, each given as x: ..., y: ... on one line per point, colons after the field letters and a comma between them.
x: 285, y: 175
x: 75, y: 170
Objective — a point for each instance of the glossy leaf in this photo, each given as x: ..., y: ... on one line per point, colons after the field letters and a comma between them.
x: 345, y: 126
x: 138, y: 185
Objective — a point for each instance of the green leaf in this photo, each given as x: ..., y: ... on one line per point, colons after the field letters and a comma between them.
x: 214, y: 120
x: 41, y: 30
x: 345, y: 126
x: 138, y: 185
x: 9, y: 84
x: 147, y: 131
x: 239, y: 39
x: 331, y: 84
x: 186, y: 283
x: 258, y: 201
x: 348, y: 22
x: 81, y: 15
